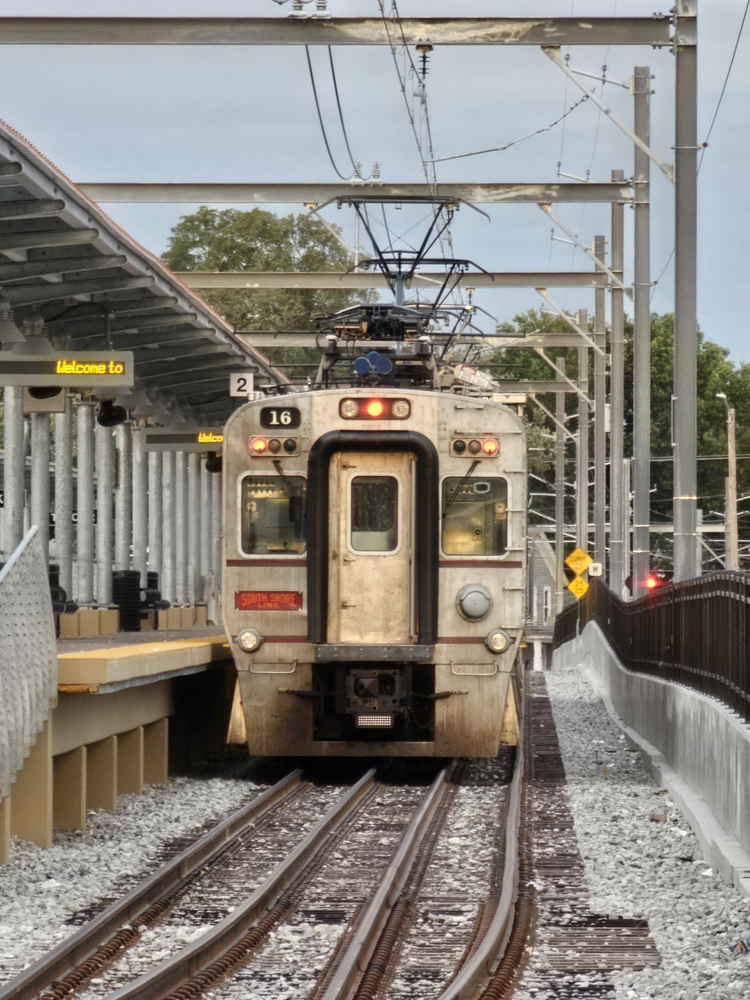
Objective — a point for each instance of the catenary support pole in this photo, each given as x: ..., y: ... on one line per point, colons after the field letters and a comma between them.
x: 685, y: 325
x: 600, y: 434
x: 206, y: 531
x: 140, y: 506
x: 617, y: 385
x: 123, y: 495
x: 582, y: 458
x: 40, y: 479
x: 732, y: 529
x: 13, y: 470
x: 627, y: 480
x: 641, y: 338
x: 155, y: 515
x: 168, y: 526
x: 181, y: 528
x: 560, y: 492
x: 84, y: 594
x: 105, y: 454
x: 64, y: 495
x: 195, y: 592
x: 216, y: 539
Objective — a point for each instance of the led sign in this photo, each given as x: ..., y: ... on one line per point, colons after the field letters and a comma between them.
x: 74, y: 369
x: 184, y: 438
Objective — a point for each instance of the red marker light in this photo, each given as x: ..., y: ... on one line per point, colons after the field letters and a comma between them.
x: 490, y: 447
x: 258, y: 445
x: 374, y: 408
x: 651, y: 582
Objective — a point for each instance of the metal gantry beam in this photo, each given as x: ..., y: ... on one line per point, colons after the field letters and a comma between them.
x: 334, y: 279
x: 300, y: 194
x: 655, y: 30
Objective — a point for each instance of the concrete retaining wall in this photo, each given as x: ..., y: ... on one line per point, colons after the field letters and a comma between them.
x: 695, y: 746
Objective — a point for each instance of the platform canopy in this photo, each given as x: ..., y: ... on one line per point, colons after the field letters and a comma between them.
x: 62, y: 259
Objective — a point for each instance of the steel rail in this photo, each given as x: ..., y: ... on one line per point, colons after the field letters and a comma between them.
x: 212, y: 945
x: 80, y: 946
x: 355, y: 958
x: 483, y: 963
x: 655, y: 30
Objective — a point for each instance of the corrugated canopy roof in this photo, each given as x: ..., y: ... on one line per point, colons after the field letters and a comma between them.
x: 63, y: 259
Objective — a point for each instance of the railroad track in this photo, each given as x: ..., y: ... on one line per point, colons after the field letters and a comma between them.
x: 350, y: 896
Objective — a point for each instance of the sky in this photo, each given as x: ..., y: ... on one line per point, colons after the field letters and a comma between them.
x: 247, y: 114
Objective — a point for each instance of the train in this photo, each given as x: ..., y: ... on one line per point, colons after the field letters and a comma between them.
x: 374, y: 565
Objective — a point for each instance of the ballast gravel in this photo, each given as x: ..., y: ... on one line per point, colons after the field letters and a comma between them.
x: 640, y: 867
x: 41, y: 889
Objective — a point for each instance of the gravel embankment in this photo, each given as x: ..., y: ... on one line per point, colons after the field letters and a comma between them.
x: 41, y: 889
x: 639, y: 868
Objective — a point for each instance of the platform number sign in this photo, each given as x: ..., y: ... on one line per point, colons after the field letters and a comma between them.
x: 280, y: 418
x: 241, y: 383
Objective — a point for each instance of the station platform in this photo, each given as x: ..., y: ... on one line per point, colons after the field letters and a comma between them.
x: 102, y: 664
x: 132, y: 707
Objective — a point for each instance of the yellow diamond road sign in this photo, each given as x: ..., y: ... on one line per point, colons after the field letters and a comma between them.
x: 578, y: 587
x: 579, y: 561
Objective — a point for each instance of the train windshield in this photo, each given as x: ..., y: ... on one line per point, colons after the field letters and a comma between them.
x: 475, y: 518
x: 273, y: 514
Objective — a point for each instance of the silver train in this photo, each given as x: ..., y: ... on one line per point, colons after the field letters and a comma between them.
x: 374, y: 570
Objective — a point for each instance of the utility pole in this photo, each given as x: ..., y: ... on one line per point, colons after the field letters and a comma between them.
x: 616, y: 393
x: 560, y: 491
x: 731, y: 529
x: 600, y: 433
x: 641, y: 337
x: 582, y: 457
x: 685, y: 325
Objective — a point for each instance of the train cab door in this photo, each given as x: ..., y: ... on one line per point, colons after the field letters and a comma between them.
x: 371, y: 586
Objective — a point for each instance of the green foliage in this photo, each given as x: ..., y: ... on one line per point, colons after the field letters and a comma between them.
x: 232, y: 240
x: 716, y: 373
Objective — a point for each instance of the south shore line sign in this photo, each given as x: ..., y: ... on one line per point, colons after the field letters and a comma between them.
x: 72, y: 370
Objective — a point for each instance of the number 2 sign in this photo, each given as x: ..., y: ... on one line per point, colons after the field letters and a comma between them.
x: 240, y: 383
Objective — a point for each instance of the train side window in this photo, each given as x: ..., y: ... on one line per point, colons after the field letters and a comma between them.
x: 475, y: 517
x: 374, y: 513
x: 273, y: 515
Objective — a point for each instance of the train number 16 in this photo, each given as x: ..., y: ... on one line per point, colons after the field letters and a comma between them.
x: 277, y: 416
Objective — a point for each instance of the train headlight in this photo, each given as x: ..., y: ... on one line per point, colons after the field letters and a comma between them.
x: 249, y: 639
x: 401, y: 409
x: 474, y: 602
x: 497, y: 641
x: 349, y: 408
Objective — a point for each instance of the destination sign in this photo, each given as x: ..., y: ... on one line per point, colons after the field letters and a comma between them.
x: 267, y: 600
x: 74, y: 370
x: 184, y: 438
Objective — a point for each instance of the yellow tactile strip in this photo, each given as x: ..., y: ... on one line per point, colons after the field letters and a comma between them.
x: 123, y: 663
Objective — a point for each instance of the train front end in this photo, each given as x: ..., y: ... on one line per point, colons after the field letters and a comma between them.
x: 374, y: 568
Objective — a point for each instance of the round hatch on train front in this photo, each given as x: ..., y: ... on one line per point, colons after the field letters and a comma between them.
x: 474, y: 602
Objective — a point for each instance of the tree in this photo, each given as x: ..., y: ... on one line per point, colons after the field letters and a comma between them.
x: 233, y: 240
x: 716, y: 373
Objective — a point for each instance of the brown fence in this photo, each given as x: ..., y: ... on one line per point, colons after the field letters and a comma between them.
x: 695, y: 633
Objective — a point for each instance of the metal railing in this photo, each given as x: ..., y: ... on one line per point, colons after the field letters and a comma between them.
x: 695, y: 633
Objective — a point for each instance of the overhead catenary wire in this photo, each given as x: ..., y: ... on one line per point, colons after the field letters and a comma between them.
x: 355, y: 166
x: 320, y: 116
x: 726, y: 81
x: 513, y: 142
